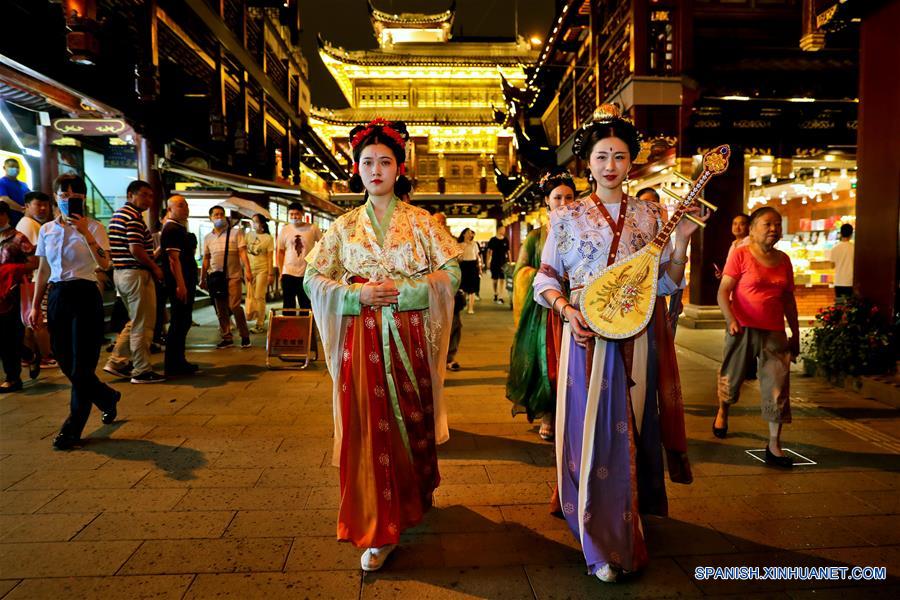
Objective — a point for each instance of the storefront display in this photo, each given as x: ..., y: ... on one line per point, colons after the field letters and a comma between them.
x: 815, y: 197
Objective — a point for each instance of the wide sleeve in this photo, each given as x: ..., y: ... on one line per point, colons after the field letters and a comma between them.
x: 550, y: 274
x: 443, y: 252
x: 325, y: 274
x: 523, y: 275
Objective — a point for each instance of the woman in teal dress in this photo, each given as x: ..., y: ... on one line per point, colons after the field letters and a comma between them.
x: 531, y: 386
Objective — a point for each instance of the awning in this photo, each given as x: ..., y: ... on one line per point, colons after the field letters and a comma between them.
x: 240, y: 182
x: 248, y: 208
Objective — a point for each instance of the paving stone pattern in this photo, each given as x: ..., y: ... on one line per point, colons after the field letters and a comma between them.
x: 221, y: 486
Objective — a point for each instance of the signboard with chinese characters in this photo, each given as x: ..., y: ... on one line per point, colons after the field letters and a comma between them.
x: 120, y: 157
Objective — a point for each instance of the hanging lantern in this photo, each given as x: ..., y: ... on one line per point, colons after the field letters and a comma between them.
x: 240, y: 143
x: 81, y: 38
x: 217, y: 128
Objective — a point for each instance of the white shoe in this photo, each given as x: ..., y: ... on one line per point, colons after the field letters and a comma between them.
x: 373, y: 558
x: 470, y: 312
x: 606, y: 574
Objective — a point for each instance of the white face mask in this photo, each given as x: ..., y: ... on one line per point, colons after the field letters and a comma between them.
x: 296, y: 222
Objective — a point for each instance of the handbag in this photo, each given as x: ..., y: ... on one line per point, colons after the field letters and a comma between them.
x: 217, y: 281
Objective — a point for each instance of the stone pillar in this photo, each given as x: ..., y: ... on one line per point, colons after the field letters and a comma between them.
x: 710, y: 245
x: 878, y: 159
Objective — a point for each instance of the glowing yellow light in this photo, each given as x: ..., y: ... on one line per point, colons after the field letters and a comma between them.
x: 535, y: 40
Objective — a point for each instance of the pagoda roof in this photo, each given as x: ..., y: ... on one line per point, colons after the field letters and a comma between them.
x: 411, y: 116
x: 469, y: 54
x: 412, y: 20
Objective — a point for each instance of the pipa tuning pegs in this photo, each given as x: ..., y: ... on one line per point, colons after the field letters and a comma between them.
x: 706, y: 203
x: 699, y: 222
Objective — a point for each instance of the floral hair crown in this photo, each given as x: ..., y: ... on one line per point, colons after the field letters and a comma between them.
x: 555, y: 177
x: 606, y: 114
x: 386, y: 128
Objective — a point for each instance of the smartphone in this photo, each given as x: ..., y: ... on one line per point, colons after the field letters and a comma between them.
x: 76, y: 206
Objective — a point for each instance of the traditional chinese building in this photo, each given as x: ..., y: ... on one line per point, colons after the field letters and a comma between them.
x: 781, y: 81
x: 179, y: 93
x: 444, y: 87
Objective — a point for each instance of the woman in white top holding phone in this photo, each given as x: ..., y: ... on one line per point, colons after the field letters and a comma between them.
x: 69, y: 256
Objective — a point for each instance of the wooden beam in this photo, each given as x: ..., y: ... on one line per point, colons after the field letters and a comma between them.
x: 227, y: 39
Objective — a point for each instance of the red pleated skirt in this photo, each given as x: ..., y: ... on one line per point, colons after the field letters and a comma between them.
x: 388, y: 462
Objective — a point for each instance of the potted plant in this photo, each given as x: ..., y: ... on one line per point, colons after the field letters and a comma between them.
x: 850, y: 339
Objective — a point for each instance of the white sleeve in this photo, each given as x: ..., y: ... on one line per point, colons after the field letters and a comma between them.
x: 549, y: 275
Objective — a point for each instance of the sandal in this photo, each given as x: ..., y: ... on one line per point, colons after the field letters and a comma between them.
x: 546, y: 431
x: 606, y: 574
x: 374, y: 558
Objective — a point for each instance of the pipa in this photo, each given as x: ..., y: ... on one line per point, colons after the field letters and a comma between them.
x: 619, y: 302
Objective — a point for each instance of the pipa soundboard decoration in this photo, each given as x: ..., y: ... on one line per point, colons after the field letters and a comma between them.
x: 619, y: 302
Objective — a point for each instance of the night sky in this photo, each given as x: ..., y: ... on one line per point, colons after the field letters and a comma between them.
x: 345, y: 23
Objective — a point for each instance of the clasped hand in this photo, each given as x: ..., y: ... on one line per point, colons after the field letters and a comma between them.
x: 379, y: 293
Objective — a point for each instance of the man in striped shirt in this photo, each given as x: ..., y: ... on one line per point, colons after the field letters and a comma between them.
x: 131, y: 248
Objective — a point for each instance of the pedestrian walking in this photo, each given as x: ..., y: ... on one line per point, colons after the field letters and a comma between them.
x: 260, y: 250
x: 134, y: 274
x: 459, y: 303
x: 37, y: 212
x: 531, y: 384
x: 180, y: 270
x: 842, y: 256
x: 13, y: 191
x: 740, y: 226
x: 224, y: 262
x: 294, y: 242
x: 69, y: 257
x: 470, y: 268
x: 381, y: 282
x: 16, y: 265
x: 497, y: 256
x: 756, y: 295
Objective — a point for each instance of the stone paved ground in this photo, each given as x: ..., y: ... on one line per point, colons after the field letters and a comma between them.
x: 220, y: 487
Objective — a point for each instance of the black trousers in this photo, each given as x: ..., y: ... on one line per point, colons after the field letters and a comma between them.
x: 180, y: 316
x: 11, y: 342
x: 294, y: 294
x: 843, y: 291
x: 160, y: 324
x: 75, y: 319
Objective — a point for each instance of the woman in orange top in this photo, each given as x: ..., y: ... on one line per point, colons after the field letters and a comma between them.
x: 756, y: 295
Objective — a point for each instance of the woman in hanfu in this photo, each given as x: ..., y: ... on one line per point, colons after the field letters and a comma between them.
x: 381, y: 282
x: 618, y: 402
x: 531, y: 385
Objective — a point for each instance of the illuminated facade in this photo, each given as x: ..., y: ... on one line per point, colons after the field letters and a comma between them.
x: 443, y: 89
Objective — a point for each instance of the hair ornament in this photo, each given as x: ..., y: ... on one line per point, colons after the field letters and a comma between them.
x: 553, y: 178
x: 605, y: 115
x: 385, y: 126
